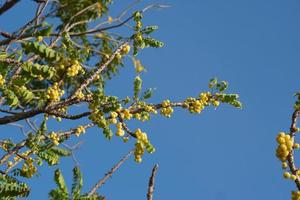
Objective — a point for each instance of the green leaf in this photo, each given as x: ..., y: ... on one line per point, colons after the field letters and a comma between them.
x: 56, y: 194
x: 77, y: 182
x: 60, y: 182
x: 44, y: 32
x: 222, y: 86
x: 137, y: 16
x: 148, y: 94
x: 149, y: 29
x: 11, y: 188
x: 42, y: 48
x: 50, y: 157
x: 108, y: 133
x: 60, y: 151
x: 213, y: 82
x: 152, y: 42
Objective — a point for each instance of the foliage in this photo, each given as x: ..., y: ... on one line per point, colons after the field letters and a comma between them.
x: 62, y: 58
x: 61, y: 192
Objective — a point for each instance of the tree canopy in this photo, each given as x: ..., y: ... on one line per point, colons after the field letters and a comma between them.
x: 63, y: 58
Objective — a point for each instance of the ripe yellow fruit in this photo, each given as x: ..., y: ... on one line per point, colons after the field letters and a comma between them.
x: 74, y: 69
x: 296, y: 145
x: 166, y: 103
x: 120, y: 133
x: 285, y: 146
x: 139, y: 25
x: 9, y: 164
x: 284, y: 165
x: 118, y: 56
x: 286, y: 175
x: 113, y: 121
x: 113, y: 114
x: 39, y: 38
x: 110, y: 19
x: 293, y: 177
x: 126, y: 49
x: 127, y: 114
x: 216, y: 103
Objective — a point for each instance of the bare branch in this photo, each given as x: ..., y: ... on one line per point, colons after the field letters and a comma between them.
x: 151, y: 183
x: 21, y: 127
x: 72, y: 117
x: 8, y: 5
x: 109, y: 174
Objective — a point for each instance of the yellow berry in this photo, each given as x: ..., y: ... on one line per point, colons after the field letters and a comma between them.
x: 114, y: 114
x: 216, y: 103
x: 127, y: 114
x: 110, y: 19
x: 293, y: 177
x: 120, y: 132
x: 9, y: 164
x: 125, y: 49
x: 166, y: 103
x: 118, y: 56
x: 284, y: 165
x: 296, y: 145
x: 139, y: 25
x: 286, y: 175
x: 113, y: 121
x: 39, y: 38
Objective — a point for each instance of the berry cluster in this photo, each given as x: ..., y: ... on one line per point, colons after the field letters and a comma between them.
x: 54, y: 93
x: 120, y: 132
x: 285, y: 146
x: 125, y: 49
x: 150, y: 109
x: 80, y: 95
x: 288, y: 175
x: 54, y: 137
x: 74, y: 69
x: 79, y: 130
x: 295, y: 195
x: 113, y: 117
x: 126, y: 114
x: 166, y: 110
x: 28, y: 169
x: 197, y: 105
x: 98, y: 118
x: 141, y: 144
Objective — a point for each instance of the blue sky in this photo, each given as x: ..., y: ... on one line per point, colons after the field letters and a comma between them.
x: 223, y: 154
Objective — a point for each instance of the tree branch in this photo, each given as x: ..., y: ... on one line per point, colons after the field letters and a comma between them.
x: 151, y: 182
x: 8, y: 5
x: 109, y: 174
x: 290, y: 158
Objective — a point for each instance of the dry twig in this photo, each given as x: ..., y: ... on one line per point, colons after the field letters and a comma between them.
x: 151, y: 182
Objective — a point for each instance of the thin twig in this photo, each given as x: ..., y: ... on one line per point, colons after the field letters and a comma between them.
x: 109, y: 174
x: 21, y: 127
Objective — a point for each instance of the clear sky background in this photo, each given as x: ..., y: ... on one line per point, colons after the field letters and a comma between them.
x: 223, y: 154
